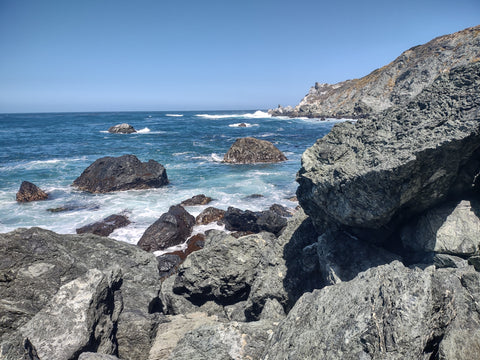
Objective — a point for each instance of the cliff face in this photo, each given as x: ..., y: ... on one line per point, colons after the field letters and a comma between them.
x: 394, y: 84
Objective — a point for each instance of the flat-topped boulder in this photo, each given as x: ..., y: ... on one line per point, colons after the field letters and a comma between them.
x: 121, y: 173
x: 122, y: 129
x: 30, y: 192
x: 249, y: 150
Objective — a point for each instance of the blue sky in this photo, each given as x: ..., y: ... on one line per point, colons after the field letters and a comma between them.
x: 116, y: 55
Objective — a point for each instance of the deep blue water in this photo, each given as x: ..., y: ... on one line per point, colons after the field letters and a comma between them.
x: 51, y: 150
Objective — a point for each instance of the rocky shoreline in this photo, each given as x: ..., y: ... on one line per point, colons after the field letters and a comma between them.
x: 382, y: 260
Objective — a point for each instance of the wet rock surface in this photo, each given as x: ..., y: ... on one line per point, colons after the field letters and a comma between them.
x: 30, y: 192
x: 250, y: 151
x: 106, y: 226
x: 197, y: 200
x: 172, y: 228
x: 122, y: 129
x: 121, y: 173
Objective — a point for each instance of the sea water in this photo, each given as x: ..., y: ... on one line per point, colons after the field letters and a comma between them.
x: 52, y: 150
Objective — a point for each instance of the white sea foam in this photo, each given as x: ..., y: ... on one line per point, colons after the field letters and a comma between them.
x: 40, y: 164
x: 174, y: 115
x: 213, y: 157
x: 145, y: 130
x: 256, y: 115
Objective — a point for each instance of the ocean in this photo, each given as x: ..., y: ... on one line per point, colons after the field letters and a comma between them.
x: 51, y: 150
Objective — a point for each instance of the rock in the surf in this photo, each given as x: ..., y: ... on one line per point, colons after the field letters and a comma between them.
x: 122, y: 129
x: 197, y: 200
x: 172, y: 228
x: 106, y: 226
x: 249, y: 150
x: 209, y: 215
x: 30, y: 192
x: 121, y: 173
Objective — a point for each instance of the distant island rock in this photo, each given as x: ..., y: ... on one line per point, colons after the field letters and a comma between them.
x: 122, y: 129
x: 394, y: 84
x: 121, y: 173
x: 30, y: 192
x: 249, y: 150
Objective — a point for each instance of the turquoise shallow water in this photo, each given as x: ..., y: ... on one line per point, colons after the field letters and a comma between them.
x: 51, y: 150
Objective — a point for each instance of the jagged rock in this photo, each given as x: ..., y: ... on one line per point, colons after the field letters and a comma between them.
x: 234, y: 340
x: 209, y: 215
x: 394, y: 84
x: 387, y: 312
x: 250, y: 150
x: 249, y: 221
x: 96, y: 356
x: 451, y: 228
x: 172, y: 228
x: 280, y: 210
x: 237, y: 277
x: 173, y: 329
x: 197, y: 200
x: 376, y: 173
x: 106, y: 226
x: 35, y: 263
x: 30, y: 192
x: 342, y: 256
x: 122, y: 129
x: 121, y: 173
x: 82, y: 315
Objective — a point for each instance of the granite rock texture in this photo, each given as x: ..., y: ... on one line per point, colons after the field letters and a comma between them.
x: 383, y: 170
x: 125, y: 172
x: 122, y: 129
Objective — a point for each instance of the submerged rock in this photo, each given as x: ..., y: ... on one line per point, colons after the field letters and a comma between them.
x: 172, y: 228
x: 377, y: 172
x: 197, y: 200
x: 106, y: 226
x: 121, y: 173
x: 30, y: 192
x: 122, y: 129
x: 250, y: 150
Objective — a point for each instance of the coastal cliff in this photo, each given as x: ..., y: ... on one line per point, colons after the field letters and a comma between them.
x: 382, y: 260
x: 393, y: 84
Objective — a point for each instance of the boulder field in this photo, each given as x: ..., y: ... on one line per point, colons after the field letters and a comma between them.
x: 381, y: 261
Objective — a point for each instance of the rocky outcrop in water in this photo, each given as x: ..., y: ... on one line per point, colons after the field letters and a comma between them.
x: 394, y: 84
x: 250, y: 151
x: 122, y: 129
x: 172, y: 228
x: 379, y: 172
x: 121, y: 173
x: 30, y: 192
x: 106, y: 226
x: 209, y: 215
x: 197, y: 200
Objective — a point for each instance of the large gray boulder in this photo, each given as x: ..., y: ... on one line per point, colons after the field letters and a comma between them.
x: 236, y: 277
x: 83, y: 314
x: 250, y: 150
x: 172, y: 228
x: 377, y: 172
x: 35, y: 263
x: 452, y: 228
x: 121, y: 173
x: 388, y: 312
